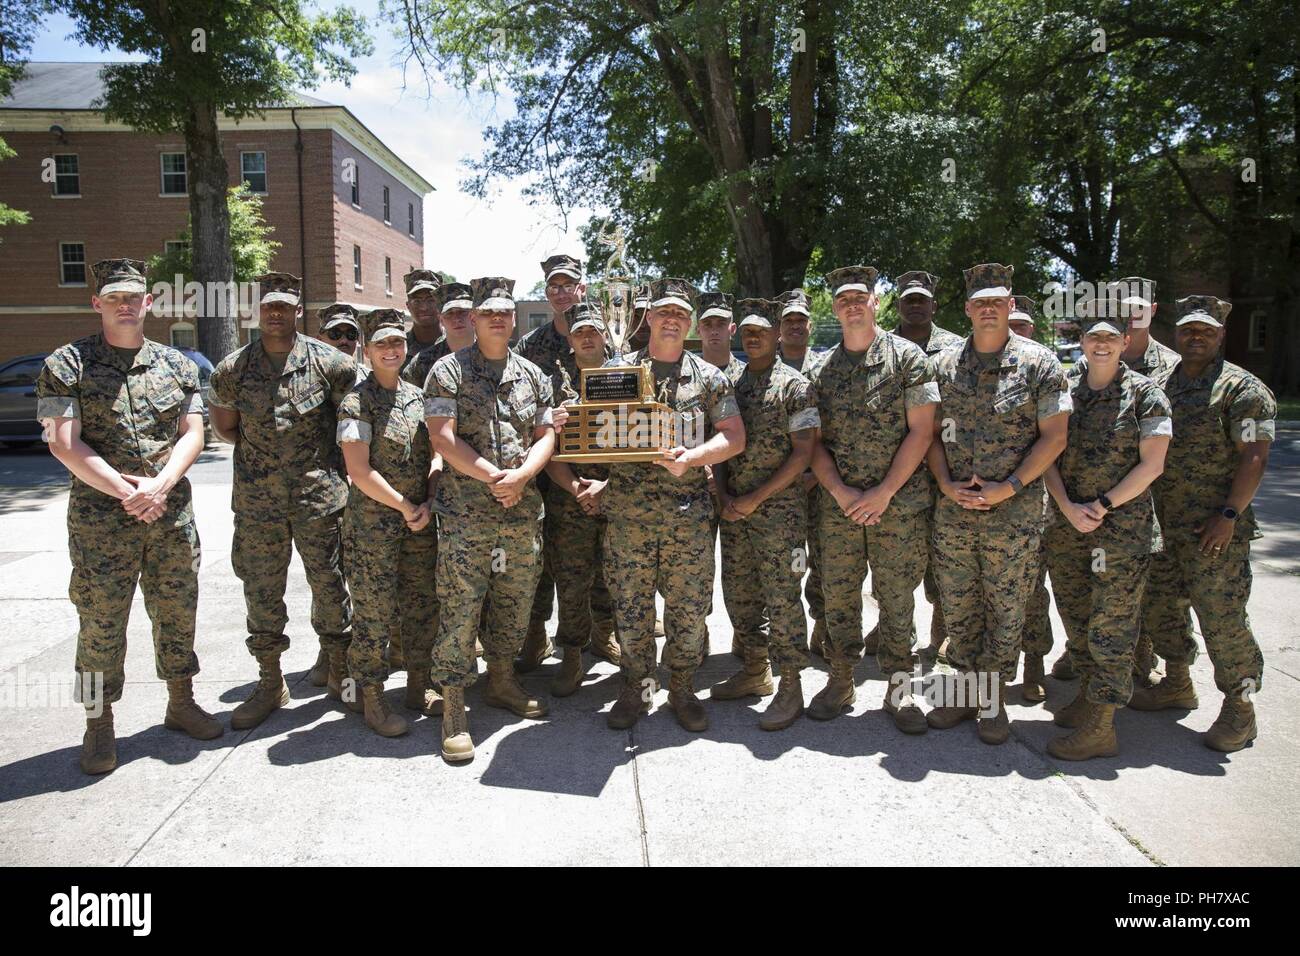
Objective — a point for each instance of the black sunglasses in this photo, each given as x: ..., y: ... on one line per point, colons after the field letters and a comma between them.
x: 336, y: 334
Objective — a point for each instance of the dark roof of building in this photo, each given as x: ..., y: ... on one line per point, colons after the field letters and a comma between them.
x: 76, y: 86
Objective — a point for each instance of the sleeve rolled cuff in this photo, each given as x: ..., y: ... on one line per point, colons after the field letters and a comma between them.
x: 58, y: 406
x: 805, y: 418
x: 438, y: 407
x: 544, y: 418
x: 927, y: 393
x: 1055, y: 404
x: 214, y: 402
x: 1159, y: 425
x: 194, y: 405
x: 352, y: 429
x: 1251, y: 429
x: 725, y: 408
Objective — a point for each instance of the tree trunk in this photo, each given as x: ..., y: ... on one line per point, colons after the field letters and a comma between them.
x: 214, y: 268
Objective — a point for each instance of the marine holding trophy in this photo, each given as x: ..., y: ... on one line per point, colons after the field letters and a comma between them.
x: 657, y: 415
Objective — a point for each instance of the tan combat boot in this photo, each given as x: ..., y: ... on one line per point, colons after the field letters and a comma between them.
x: 320, y: 671
x: 1031, y: 682
x: 931, y: 651
x: 340, y: 686
x: 505, y: 691
x: 787, y: 705
x: 605, y: 646
x: 817, y: 643
x: 997, y: 728
x: 871, y: 641
x: 907, y: 714
x: 571, y: 675
x: 753, y: 679
x: 537, y: 647
x: 184, y: 714
x: 1174, y: 692
x: 378, y: 717
x: 633, y: 701
x: 1063, y: 669
x: 838, y: 695
x: 396, y: 655
x: 1144, y: 662
x: 457, y: 745
x: 737, y: 647
x: 955, y: 709
x: 99, y: 745
x: 270, y: 694
x: 1075, y: 713
x: 421, y: 695
x: 1094, y: 738
x: 1235, y: 726
x: 681, y: 698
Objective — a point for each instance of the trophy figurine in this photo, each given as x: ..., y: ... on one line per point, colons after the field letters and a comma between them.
x: 617, y: 416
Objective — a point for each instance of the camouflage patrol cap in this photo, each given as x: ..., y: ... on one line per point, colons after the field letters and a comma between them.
x: 339, y: 313
x: 418, y: 279
x: 1098, y: 315
x: 1024, y: 310
x: 715, y: 303
x: 763, y: 313
x: 119, y: 275
x: 641, y: 298
x: 380, y: 324
x: 988, y: 280
x: 1133, y: 291
x: 455, y: 295
x: 585, y: 315
x: 1203, y: 308
x: 795, y: 300
x: 280, y: 287
x: 671, y: 291
x: 493, y: 294
x: 917, y: 283
x: 852, y: 279
x: 562, y: 265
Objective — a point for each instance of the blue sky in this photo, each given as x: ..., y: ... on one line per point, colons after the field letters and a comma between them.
x: 502, y: 235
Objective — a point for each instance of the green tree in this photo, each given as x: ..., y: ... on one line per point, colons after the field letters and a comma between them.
x: 19, y: 20
x: 251, y: 247
x: 208, y: 58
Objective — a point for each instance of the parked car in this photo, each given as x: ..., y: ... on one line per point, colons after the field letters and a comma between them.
x: 18, y: 424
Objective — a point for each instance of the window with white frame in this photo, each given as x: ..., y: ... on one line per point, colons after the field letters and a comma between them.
x: 356, y: 267
x: 388, y: 276
x: 182, y: 335
x: 1258, y: 334
x: 72, y: 263
x: 252, y: 170
x: 174, y: 181
x: 356, y: 186
x: 388, y: 217
x: 67, y: 174
x: 410, y: 219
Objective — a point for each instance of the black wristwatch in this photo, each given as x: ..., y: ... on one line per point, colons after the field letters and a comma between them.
x: 1016, y: 484
x: 1105, y: 503
x: 1229, y: 512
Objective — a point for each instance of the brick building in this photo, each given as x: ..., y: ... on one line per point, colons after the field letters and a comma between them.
x: 108, y: 190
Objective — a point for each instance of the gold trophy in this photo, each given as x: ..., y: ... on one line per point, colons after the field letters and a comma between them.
x: 617, y: 416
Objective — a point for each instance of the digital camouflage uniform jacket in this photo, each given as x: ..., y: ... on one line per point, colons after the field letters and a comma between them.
x: 287, y: 462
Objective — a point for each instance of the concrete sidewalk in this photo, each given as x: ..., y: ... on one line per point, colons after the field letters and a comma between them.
x: 313, y: 785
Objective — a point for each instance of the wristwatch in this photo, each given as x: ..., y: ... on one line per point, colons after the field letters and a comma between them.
x: 1016, y: 484
x: 1229, y: 512
x: 1105, y: 502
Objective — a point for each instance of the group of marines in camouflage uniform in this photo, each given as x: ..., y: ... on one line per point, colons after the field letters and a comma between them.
x: 971, y: 465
